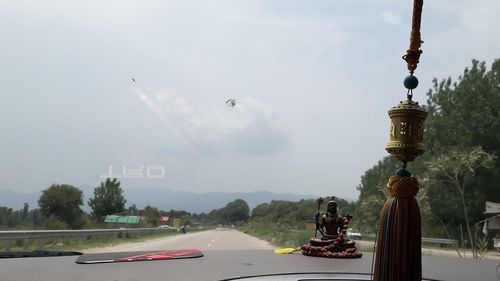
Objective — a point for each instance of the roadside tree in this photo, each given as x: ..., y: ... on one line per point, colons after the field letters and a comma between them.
x: 62, y: 202
x: 455, y: 169
x: 108, y: 199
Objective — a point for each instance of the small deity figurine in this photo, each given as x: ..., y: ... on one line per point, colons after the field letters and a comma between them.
x: 328, y: 224
x: 333, y: 229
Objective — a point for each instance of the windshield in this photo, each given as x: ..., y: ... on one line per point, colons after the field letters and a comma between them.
x: 223, y: 122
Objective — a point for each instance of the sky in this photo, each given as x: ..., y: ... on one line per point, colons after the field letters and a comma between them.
x: 312, y: 80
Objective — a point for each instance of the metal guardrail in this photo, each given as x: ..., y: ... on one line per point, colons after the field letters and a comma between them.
x: 27, y: 235
x: 441, y: 241
x: 31, y: 234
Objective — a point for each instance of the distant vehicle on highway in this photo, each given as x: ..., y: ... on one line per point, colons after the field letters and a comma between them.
x: 353, y: 234
x: 167, y: 227
x: 185, y: 228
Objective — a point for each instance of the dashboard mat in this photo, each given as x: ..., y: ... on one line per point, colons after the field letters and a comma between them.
x: 138, y: 256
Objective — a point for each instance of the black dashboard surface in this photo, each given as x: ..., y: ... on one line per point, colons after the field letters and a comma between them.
x: 220, y: 265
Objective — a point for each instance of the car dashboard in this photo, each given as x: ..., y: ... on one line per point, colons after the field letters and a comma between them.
x: 250, y: 265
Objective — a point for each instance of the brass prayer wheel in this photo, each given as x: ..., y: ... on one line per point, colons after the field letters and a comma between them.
x: 406, y: 138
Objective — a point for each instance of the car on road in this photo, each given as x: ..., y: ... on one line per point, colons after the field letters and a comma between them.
x: 167, y: 227
x: 354, y: 234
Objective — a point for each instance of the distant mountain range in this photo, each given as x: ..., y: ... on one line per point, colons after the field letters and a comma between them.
x: 164, y: 199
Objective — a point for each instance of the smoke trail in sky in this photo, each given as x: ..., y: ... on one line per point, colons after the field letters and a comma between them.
x: 177, y: 133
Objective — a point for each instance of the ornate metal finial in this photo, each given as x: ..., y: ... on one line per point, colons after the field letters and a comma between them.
x: 406, y: 137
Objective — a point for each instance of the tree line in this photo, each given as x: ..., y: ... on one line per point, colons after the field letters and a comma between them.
x: 60, y: 207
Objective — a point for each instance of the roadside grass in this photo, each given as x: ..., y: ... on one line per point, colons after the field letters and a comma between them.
x: 81, y: 243
x: 279, y: 237
x: 283, y: 237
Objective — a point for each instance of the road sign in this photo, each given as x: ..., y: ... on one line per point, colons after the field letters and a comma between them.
x: 176, y: 222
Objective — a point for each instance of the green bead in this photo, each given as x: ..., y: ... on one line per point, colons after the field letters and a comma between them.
x: 403, y: 173
x: 410, y: 82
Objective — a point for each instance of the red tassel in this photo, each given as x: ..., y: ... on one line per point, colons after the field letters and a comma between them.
x: 399, y: 254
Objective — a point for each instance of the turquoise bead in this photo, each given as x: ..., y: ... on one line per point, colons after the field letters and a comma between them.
x: 403, y: 173
x: 410, y: 82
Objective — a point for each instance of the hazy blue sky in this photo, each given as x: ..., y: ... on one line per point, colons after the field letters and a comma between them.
x: 313, y: 81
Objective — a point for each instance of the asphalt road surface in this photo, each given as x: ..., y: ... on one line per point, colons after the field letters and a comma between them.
x: 217, y: 239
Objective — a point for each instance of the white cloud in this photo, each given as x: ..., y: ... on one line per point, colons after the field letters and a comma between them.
x: 250, y: 127
x: 390, y: 18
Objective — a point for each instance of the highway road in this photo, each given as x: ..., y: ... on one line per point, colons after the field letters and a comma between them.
x: 212, y: 241
x: 217, y: 239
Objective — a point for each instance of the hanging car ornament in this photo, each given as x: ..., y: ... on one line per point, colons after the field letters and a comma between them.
x: 399, y: 237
